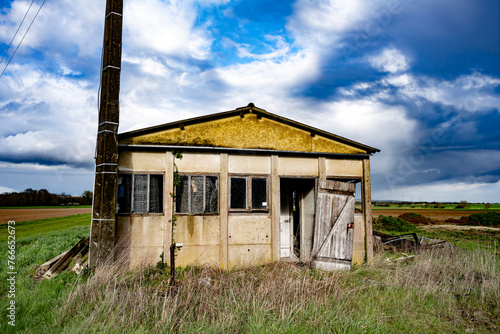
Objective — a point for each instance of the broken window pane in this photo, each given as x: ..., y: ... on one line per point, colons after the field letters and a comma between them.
x: 124, y: 197
x: 140, y: 193
x: 197, y: 197
x: 156, y: 193
x: 238, y: 193
x: 182, y: 196
x: 259, y: 193
x: 212, y: 194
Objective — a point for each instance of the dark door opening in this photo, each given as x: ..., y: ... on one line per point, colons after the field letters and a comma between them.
x: 297, y: 203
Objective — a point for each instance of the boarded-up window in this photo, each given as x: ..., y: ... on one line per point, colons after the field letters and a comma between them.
x: 248, y: 193
x: 182, y: 196
x: 197, y: 194
x: 139, y: 193
x: 212, y: 194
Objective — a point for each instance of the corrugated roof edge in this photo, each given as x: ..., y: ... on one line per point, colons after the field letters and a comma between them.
x: 250, y: 108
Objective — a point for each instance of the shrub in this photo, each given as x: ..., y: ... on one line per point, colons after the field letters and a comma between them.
x: 416, y: 219
x: 393, y: 224
x: 484, y: 219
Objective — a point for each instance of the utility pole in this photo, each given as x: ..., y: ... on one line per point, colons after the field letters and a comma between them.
x: 102, y: 233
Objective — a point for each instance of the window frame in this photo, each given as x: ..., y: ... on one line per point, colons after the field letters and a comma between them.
x: 132, y: 191
x: 248, y: 181
x: 190, y: 213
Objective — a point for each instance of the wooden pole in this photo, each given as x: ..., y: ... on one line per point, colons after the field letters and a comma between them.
x: 102, y: 235
x: 367, y: 210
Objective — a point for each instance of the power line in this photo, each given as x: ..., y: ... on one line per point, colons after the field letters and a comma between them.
x: 22, y: 39
x: 20, y: 24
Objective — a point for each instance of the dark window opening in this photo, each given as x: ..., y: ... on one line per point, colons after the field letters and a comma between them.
x: 124, y: 193
x: 156, y: 193
x: 238, y: 193
x: 259, y: 193
x: 248, y: 193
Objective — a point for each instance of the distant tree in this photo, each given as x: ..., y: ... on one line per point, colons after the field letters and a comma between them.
x: 462, y: 205
x: 487, y: 206
x: 87, y: 197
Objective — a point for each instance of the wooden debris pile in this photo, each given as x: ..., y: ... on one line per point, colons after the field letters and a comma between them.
x: 405, y: 242
x: 75, y: 259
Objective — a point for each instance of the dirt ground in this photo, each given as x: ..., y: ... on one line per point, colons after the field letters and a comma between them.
x: 20, y: 215
x: 440, y: 215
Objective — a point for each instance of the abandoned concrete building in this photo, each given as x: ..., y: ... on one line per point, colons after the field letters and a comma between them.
x: 252, y: 187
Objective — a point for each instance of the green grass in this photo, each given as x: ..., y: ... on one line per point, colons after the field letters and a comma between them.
x: 42, y: 226
x: 440, y: 291
x: 36, y: 242
x: 48, y: 207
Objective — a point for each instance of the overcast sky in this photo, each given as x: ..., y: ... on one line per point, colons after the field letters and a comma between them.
x: 418, y: 79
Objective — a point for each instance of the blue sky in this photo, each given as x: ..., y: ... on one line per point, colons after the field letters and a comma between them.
x: 419, y: 80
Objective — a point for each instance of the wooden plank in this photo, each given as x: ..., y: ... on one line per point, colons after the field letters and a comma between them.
x: 337, y: 186
x: 64, y: 260
x: 322, y: 168
x: 333, y: 232
x: 338, y: 243
x: 367, y: 209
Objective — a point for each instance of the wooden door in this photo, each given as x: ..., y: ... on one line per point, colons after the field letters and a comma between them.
x: 334, y: 225
x: 286, y: 222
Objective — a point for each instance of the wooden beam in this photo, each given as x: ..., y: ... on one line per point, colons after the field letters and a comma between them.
x: 168, y: 205
x: 103, y: 226
x: 367, y: 209
x: 275, y: 209
x: 322, y: 168
x: 223, y: 211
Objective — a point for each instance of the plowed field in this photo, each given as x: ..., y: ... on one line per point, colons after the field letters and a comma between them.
x: 20, y: 215
x: 440, y: 215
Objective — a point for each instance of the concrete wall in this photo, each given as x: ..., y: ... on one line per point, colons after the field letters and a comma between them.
x: 226, y: 239
x: 139, y: 239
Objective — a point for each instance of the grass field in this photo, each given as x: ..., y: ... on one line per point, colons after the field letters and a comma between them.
x: 48, y: 207
x: 440, y: 291
x: 471, y: 206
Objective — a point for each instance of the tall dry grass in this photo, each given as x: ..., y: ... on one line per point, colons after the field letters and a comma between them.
x: 439, y: 290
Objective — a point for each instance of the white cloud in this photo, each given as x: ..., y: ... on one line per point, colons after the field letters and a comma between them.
x: 53, y: 117
x: 6, y: 190
x: 389, y: 60
x: 319, y: 23
x: 281, y: 48
x: 61, y: 26
x: 370, y: 122
x: 472, y: 92
x: 164, y: 27
x: 443, y: 191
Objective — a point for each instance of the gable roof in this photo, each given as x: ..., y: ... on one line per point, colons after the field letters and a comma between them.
x: 248, y: 127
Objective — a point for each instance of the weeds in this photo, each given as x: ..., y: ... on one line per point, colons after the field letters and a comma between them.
x: 440, y: 291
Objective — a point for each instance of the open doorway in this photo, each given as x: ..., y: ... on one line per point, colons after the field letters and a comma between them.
x: 297, y: 209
